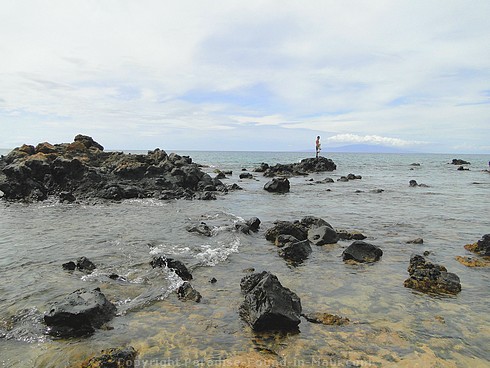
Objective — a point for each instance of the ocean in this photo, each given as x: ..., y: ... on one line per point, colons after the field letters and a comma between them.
x: 390, y: 325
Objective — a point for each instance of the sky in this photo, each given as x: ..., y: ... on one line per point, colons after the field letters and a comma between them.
x: 247, y: 75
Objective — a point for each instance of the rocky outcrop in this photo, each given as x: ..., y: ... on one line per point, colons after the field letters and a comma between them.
x: 277, y: 185
x: 83, y: 170
x: 306, y: 166
x: 457, y: 161
x: 296, y: 251
x: 269, y: 306
x: 362, y: 252
x: 431, y: 278
x: 79, y: 314
x: 481, y: 247
x: 122, y: 357
x: 175, y: 265
x: 186, y: 292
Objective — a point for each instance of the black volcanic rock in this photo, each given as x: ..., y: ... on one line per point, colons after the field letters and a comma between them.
x: 83, y: 170
x: 269, y: 306
x: 306, y: 166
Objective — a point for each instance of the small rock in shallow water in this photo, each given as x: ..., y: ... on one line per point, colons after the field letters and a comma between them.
x: 326, y: 319
x: 416, y: 241
x: 112, y: 358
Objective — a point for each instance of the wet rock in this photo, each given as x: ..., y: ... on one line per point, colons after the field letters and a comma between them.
x: 416, y: 241
x: 269, y: 306
x: 177, y: 266
x: 326, y: 319
x: 350, y: 235
x: 286, y: 228
x: 122, y: 357
x: 310, y: 222
x: 262, y: 168
x: 296, y: 251
x: 462, y: 168
x: 481, y: 247
x: 472, y: 262
x: 85, y: 264
x: 362, y: 252
x: 457, y: 161
x: 254, y: 224
x: 213, y: 280
x: 283, y: 240
x: 415, y: 164
x: 325, y: 181
x: 79, y: 314
x: 306, y: 166
x: 202, y: 229
x: 69, y: 266
x: 115, y: 276
x: 433, y: 278
x: 187, y: 293
x: 277, y: 185
x: 82, y: 170
x: 246, y: 176
x: 322, y: 235
x: 413, y: 183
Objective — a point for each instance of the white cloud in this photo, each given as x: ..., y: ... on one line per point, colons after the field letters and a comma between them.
x: 372, y: 139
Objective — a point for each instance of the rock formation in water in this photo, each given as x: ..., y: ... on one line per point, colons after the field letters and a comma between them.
x: 83, y: 170
x: 269, y: 306
x: 304, y: 167
x: 431, y: 278
x: 361, y: 252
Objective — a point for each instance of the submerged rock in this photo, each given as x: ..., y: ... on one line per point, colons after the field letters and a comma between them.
x: 362, y: 252
x: 79, y: 314
x: 269, y: 306
x: 350, y: 235
x: 187, y: 293
x: 122, y: 357
x: 326, y: 319
x: 429, y: 277
x: 472, y: 262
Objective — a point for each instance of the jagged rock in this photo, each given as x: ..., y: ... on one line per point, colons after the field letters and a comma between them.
x: 307, y: 165
x: 350, y: 235
x: 296, y: 251
x: 286, y: 228
x: 79, y: 313
x: 85, y: 264
x: 82, y: 170
x: 254, y: 224
x: 481, y: 247
x: 460, y: 162
x: 433, y: 278
x: 177, y: 266
x: 277, y: 185
x: 122, y: 357
x: 187, y: 293
x: 69, y: 266
x: 282, y: 240
x: 322, y: 235
x: 269, y: 306
x: 362, y: 252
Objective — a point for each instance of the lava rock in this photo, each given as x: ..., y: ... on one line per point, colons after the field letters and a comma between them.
x: 296, y: 251
x: 431, y: 278
x: 362, y: 252
x: 177, y: 266
x: 85, y: 264
x: 122, y: 357
x: 79, y: 314
x: 187, y: 293
x: 322, y: 235
x: 278, y: 185
x: 269, y: 306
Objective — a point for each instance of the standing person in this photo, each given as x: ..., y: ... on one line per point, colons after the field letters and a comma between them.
x: 318, y: 146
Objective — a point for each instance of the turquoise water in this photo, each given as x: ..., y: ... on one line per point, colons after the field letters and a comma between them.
x: 390, y: 325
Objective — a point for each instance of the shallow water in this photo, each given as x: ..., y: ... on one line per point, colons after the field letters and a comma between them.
x: 390, y: 325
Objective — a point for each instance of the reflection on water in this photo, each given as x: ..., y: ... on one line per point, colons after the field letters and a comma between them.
x: 390, y: 325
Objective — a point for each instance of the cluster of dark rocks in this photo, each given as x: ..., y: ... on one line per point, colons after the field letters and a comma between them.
x: 458, y: 161
x: 83, y: 170
x: 295, y: 238
x: 431, y: 278
x: 482, y: 249
x: 413, y: 183
x: 250, y: 225
x: 349, y: 177
x: 304, y: 167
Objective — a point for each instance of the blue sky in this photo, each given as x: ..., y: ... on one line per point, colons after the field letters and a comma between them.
x: 254, y: 75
